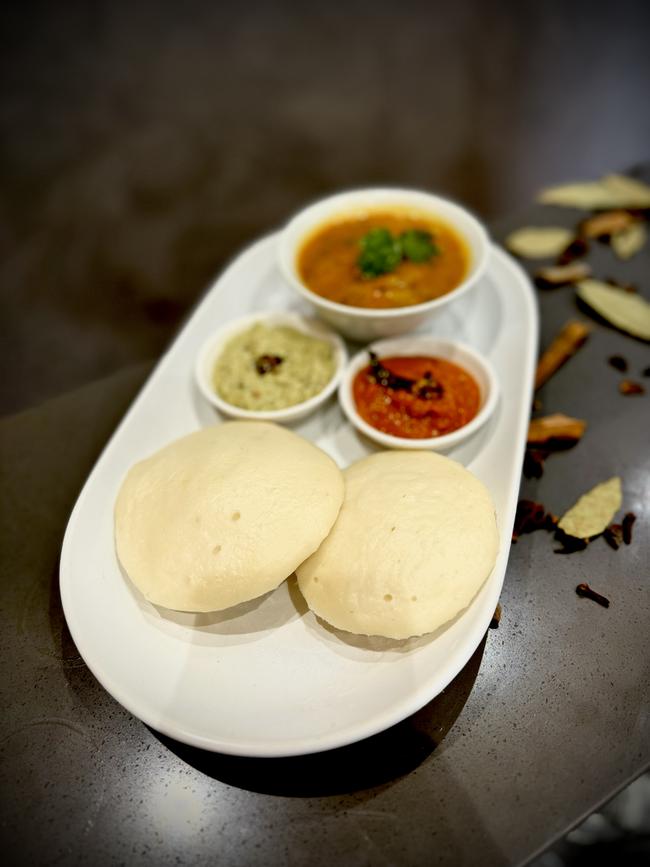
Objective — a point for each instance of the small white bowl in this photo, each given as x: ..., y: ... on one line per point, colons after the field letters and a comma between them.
x: 365, y: 323
x: 458, y: 353
x: 213, y: 347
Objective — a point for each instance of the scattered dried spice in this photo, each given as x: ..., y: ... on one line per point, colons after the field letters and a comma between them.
x: 558, y: 427
x: 426, y: 388
x: 627, y: 287
x: 576, y: 250
x: 496, y: 617
x: 537, y: 404
x: 630, y: 313
x: 570, y: 544
x: 267, y: 363
x: 618, y: 362
x: 628, y: 386
x: 562, y: 348
x: 594, y: 511
x: 628, y: 523
x: 586, y: 592
x: 613, y: 535
x: 606, y: 224
x: 531, y: 516
x: 646, y: 371
x: 560, y: 275
x: 534, y: 463
x: 539, y: 242
x: 628, y: 242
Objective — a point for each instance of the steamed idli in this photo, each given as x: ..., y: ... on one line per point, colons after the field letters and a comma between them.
x: 224, y: 515
x: 414, y: 541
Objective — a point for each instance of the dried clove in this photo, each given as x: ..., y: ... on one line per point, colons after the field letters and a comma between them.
x: 618, y: 362
x: 628, y: 523
x: 586, y: 592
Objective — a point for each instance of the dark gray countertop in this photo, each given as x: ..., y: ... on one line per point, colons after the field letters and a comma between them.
x: 547, y: 720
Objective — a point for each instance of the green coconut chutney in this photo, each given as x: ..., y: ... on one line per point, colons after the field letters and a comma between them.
x: 272, y: 367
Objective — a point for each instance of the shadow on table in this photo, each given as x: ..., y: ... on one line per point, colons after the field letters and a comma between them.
x: 376, y: 761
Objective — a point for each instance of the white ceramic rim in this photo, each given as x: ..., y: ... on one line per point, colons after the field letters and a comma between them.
x: 305, y: 221
x: 214, y: 345
x: 451, y: 350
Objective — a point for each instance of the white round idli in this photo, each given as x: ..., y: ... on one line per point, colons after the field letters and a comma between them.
x: 414, y: 541
x: 224, y: 515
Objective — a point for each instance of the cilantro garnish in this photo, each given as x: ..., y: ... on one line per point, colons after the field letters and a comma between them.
x: 382, y: 252
x: 418, y: 246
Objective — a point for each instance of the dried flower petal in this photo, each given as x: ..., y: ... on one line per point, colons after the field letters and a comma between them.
x: 593, y: 512
x: 606, y: 224
x: 630, y: 313
x: 539, y: 242
x: 560, y: 275
x: 576, y: 250
x: 628, y: 386
x: 555, y: 427
x: 628, y: 242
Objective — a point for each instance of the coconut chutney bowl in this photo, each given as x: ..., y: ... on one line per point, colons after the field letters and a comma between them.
x: 382, y: 262
x: 271, y: 366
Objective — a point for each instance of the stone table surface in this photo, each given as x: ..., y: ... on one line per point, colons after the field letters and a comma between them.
x: 548, y: 719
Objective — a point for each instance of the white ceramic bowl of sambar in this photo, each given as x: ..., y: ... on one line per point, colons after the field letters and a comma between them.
x: 368, y: 323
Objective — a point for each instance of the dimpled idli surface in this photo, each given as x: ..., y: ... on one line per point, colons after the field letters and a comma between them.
x: 224, y: 515
x: 414, y: 541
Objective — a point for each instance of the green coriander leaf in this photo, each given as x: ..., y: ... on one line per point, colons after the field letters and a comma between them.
x: 418, y: 246
x: 380, y: 253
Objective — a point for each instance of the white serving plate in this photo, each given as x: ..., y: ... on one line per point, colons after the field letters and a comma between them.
x: 267, y: 678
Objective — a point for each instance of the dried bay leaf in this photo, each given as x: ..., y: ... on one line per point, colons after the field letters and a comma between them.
x: 594, y: 511
x: 539, y: 242
x: 630, y: 240
x: 612, y: 191
x: 629, y: 312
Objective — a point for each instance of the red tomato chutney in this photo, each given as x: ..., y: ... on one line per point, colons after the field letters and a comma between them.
x: 415, y: 397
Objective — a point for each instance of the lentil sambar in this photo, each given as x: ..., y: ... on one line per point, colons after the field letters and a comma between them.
x: 328, y: 262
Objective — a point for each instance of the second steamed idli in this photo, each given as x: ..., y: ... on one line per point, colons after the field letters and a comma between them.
x: 415, y: 539
x: 224, y: 515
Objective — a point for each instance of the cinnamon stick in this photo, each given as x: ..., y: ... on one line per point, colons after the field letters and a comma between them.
x: 564, y: 345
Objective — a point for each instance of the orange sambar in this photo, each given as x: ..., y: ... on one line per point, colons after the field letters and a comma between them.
x: 327, y: 262
x: 402, y: 413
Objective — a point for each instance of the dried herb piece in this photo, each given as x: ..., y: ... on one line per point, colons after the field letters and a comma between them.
x: 496, y: 617
x: 267, y: 363
x: 534, y: 463
x: 646, y: 371
x: 613, y: 535
x: 560, y: 275
x: 563, y: 346
x: 586, y: 592
x: 630, y: 313
x: 612, y: 191
x: 576, y: 250
x: 539, y: 242
x: 593, y: 512
x: 628, y: 386
x: 618, y: 362
x: 628, y: 242
x: 628, y: 523
x: 531, y: 516
x: 606, y: 224
x: 558, y: 427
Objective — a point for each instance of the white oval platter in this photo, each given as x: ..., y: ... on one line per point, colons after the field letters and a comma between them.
x: 267, y: 678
